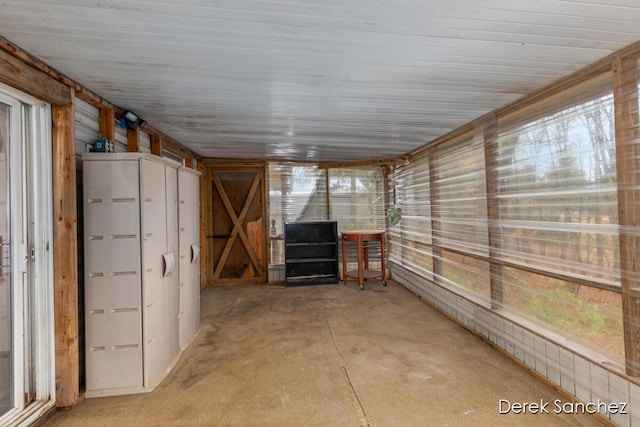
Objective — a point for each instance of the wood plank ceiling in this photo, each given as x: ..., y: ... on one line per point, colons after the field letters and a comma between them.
x: 319, y: 80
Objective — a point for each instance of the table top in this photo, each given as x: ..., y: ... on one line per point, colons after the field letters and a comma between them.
x: 348, y: 233
x: 362, y: 231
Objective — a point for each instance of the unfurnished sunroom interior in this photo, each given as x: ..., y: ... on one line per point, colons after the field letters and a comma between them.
x: 493, y: 145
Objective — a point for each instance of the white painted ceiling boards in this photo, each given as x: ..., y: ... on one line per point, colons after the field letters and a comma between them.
x: 321, y: 80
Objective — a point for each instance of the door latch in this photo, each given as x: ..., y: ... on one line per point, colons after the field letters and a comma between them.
x: 23, y: 258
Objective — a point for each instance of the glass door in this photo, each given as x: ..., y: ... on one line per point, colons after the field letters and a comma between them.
x: 26, y: 301
x: 7, y: 333
x: 14, y: 338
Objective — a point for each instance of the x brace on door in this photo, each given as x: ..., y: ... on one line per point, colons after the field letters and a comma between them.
x: 237, y: 226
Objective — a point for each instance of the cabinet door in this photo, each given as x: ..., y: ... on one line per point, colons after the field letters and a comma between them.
x: 189, y: 235
x: 185, y: 248
x: 155, y: 302
x: 172, y: 281
x: 112, y: 275
x: 195, y: 237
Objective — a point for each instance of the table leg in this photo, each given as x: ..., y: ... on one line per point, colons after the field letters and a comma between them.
x: 384, y: 276
x: 344, y: 260
x: 365, y: 249
x: 360, y: 264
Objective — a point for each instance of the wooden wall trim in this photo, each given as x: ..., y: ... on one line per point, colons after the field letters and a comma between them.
x: 174, y: 146
x: 588, y: 72
x: 490, y: 137
x: 632, y: 52
x: 79, y: 91
x: 23, y: 71
x: 133, y: 140
x: 389, y: 161
x: 16, y: 73
x: 209, y: 161
x: 107, y: 124
x: 65, y: 258
x: 157, y: 144
x: 436, y: 255
x: 625, y: 77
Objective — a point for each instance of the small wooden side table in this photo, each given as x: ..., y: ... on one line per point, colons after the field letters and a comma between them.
x: 362, y: 239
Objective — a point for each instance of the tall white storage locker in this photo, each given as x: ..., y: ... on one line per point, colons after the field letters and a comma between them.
x: 131, y: 288
x: 189, y: 231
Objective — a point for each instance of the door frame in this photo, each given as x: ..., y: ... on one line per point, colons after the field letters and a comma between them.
x: 32, y: 207
x: 210, y: 170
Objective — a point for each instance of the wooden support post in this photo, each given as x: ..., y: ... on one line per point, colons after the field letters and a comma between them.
x: 107, y: 124
x: 625, y: 83
x: 65, y: 258
x: 436, y: 256
x: 157, y: 142
x: 188, y: 163
x: 386, y: 189
x: 490, y: 136
x: 133, y: 140
x: 386, y: 172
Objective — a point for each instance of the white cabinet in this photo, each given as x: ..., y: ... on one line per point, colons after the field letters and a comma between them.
x: 131, y: 271
x: 189, y: 238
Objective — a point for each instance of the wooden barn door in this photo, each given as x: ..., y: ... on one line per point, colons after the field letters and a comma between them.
x: 236, y: 237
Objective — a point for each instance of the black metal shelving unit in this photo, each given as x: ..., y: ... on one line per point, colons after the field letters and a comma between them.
x: 311, y: 253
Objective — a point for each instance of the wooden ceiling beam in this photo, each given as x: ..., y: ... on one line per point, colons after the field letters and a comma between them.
x: 16, y: 73
x: 391, y: 161
x: 20, y: 69
x: 79, y: 90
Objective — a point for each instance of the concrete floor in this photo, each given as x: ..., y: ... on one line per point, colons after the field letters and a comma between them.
x: 328, y: 355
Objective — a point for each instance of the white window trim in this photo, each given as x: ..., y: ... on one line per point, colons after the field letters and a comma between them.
x: 40, y: 170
